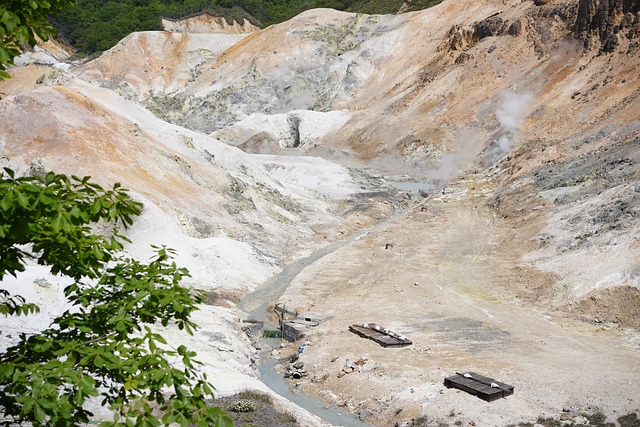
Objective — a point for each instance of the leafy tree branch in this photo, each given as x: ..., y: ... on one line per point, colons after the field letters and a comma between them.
x: 103, y: 349
x: 20, y: 22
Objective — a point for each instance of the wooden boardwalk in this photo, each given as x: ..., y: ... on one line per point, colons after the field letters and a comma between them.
x: 484, y: 387
x: 379, y: 334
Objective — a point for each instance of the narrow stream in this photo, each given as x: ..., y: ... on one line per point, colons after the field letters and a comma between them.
x: 256, y: 303
x: 329, y: 414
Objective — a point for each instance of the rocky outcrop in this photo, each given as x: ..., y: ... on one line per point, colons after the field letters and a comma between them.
x: 207, y: 23
x: 137, y: 66
x: 463, y: 38
x: 598, y: 24
x: 605, y: 21
x: 335, y: 53
x: 488, y: 27
x: 459, y: 38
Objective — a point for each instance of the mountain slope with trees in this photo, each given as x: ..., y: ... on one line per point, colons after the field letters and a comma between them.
x: 92, y: 25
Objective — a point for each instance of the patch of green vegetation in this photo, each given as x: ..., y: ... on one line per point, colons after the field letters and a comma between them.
x: 422, y: 4
x: 242, y: 405
x: 97, y: 25
x: 390, y: 6
x: 595, y: 419
x: 598, y: 419
x: 375, y: 7
x: 272, y: 333
x: 254, y: 408
x: 426, y: 421
x: 549, y: 422
x: 629, y: 420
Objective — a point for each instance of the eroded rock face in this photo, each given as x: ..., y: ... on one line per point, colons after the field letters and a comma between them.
x: 488, y: 27
x: 606, y: 21
x: 332, y: 56
x: 207, y: 23
x: 138, y: 66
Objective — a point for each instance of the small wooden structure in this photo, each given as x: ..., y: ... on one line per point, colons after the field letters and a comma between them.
x: 293, y: 330
x: 381, y: 335
x: 484, y: 387
x: 297, y: 327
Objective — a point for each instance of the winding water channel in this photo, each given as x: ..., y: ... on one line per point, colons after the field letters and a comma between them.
x: 256, y: 304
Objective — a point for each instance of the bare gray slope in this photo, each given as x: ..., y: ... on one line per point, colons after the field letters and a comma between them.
x: 454, y: 286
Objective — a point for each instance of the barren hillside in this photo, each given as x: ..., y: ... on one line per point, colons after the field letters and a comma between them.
x: 521, y: 122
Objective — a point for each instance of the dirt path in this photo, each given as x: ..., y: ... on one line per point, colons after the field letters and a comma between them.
x: 450, y: 287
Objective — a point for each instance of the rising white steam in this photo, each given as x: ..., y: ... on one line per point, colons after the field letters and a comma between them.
x: 513, y: 109
x: 465, y: 149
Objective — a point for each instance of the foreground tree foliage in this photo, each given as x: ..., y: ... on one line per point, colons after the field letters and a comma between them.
x: 102, y: 349
x: 20, y: 22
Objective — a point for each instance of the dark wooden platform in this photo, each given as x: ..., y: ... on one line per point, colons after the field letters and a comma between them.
x: 479, y: 385
x: 376, y: 333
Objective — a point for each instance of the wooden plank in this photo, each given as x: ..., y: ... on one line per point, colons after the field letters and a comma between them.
x: 482, y: 391
x: 479, y: 385
x: 378, y: 335
x: 488, y: 381
x: 474, y: 390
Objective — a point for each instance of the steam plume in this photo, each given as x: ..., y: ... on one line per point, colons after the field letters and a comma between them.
x: 465, y: 149
x: 511, y: 112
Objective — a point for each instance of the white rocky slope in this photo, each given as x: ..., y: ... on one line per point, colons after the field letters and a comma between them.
x: 234, y: 219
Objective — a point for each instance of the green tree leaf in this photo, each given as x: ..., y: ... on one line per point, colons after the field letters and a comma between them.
x: 23, y: 34
x: 10, y: 20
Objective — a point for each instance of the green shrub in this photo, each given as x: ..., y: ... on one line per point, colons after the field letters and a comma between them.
x: 242, y: 405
